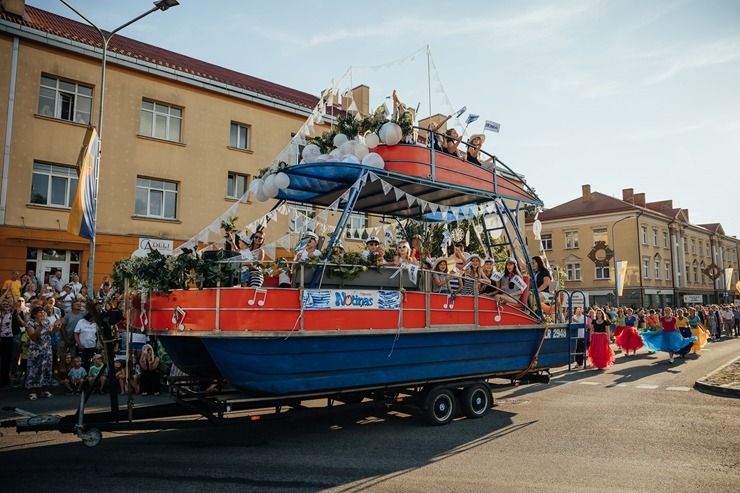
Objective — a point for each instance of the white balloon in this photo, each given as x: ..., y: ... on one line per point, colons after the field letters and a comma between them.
x: 390, y: 133
x: 256, y: 185
x: 269, y: 184
x: 339, y: 139
x: 372, y: 140
x: 322, y: 158
x: 310, y: 152
x: 334, y: 155
x: 282, y: 180
x: 350, y: 158
x: 374, y: 160
x: 270, y: 190
x: 260, y: 195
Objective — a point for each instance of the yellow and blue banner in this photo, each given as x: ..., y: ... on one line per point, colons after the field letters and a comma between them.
x: 82, y: 215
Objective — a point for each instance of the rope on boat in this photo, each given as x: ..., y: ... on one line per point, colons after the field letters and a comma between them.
x: 536, y: 356
x: 398, y: 332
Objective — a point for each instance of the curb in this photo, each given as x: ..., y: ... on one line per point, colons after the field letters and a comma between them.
x: 718, y: 389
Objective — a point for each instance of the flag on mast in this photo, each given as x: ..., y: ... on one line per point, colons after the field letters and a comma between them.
x: 471, y: 118
x: 492, y: 126
x: 82, y: 214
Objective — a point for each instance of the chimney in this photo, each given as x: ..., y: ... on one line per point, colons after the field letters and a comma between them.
x: 660, y: 206
x: 639, y: 199
x: 16, y: 7
x: 628, y: 195
x: 586, y: 193
x: 361, y: 97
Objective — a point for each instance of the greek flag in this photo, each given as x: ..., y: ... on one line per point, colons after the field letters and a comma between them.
x: 471, y: 118
x: 492, y: 126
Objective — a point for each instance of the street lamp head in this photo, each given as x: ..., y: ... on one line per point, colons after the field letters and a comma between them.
x: 165, y: 4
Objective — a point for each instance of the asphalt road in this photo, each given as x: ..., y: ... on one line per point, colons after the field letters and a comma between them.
x: 638, y: 426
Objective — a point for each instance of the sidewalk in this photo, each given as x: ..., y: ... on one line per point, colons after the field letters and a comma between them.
x: 724, y: 380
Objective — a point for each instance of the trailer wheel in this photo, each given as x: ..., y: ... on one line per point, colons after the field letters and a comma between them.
x: 439, y: 407
x: 476, y: 400
x: 91, y: 437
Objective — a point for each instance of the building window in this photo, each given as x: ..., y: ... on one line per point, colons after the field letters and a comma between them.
x: 600, y: 235
x: 703, y: 275
x: 667, y: 271
x: 54, y: 186
x: 709, y: 252
x: 643, y: 231
x: 655, y: 236
x: 239, y: 136
x: 685, y: 246
x: 546, y: 239
x: 65, y: 100
x: 357, y: 227
x: 665, y: 239
x: 302, y: 219
x: 695, y: 268
x: 657, y: 267
x: 236, y: 185
x: 571, y: 240
x: 693, y: 246
x: 701, y: 248
x: 602, y: 272
x: 688, y: 275
x: 573, y: 270
x: 156, y: 198
x: 161, y: 121
x: 646, y: 268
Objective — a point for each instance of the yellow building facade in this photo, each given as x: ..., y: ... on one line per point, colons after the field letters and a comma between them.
x: 669, y: 260
x: 181, y: 142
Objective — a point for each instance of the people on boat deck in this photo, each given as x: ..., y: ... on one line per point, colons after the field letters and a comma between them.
x: 439, y: 139
x: 440, y: 277
x: 474, y: 155
x: 310, y: 249
x: 487, y: 284
x: 472, y: 274
x: 403, y: 255
x: 375, y: 249
x: 542, y: 278
x: 256, y: 277
x: 417, y: 249
x: 452, y: 142
x: 245, y: 251
x: 402, y: 114
x: 338, y: 252
x: 511, y: 285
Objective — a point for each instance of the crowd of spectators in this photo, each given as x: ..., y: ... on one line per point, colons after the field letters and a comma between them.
x: 51, y: 335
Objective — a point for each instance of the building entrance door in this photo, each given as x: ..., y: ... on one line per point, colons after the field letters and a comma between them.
x: 47, y: 268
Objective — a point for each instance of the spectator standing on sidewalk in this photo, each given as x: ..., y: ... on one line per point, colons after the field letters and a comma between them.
x: 40, y: 360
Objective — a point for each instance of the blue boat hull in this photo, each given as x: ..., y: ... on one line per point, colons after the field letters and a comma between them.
x: 190, y: 356
x: 309, y: 363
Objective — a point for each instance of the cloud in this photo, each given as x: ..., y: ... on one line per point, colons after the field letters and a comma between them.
x: 707, y: 55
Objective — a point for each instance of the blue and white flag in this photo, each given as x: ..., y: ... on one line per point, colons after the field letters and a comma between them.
x: 471, y: 118
x: 492, y: 126
x: 461, y: 111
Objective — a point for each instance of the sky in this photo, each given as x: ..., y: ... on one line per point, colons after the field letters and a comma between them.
x: 612, y: 93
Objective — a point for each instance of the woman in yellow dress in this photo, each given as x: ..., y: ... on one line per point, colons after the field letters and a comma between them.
x: 701, y: 333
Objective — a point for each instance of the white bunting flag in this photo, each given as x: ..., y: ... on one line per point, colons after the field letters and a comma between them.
x: 492, y: 126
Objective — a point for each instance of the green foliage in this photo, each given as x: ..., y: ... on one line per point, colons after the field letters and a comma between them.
x: 352, y: 127
x: 155, y: 272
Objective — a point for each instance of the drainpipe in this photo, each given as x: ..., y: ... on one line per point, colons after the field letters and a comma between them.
x: 8, y: 130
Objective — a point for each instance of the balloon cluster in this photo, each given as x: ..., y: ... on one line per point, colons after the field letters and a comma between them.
x: 356, y: 150
x: 269, y: 187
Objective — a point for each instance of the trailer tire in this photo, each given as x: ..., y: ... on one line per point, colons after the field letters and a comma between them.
x: 91, y: 437
x: 439, y: 406
x: 476, y: 400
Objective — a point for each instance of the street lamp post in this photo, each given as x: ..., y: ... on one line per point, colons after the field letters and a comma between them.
x: 159, y: 5
x: 614, y: 253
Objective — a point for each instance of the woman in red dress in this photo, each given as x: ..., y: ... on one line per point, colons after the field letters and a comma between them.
x: 600, y: 354
x: 628, y: 338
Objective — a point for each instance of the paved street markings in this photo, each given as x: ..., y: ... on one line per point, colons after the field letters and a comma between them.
x: 646, y: 386
x: 679, y: 389
x: 589, y: 383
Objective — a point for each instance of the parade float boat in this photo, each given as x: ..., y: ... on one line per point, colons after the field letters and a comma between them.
x: 386, y: 328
